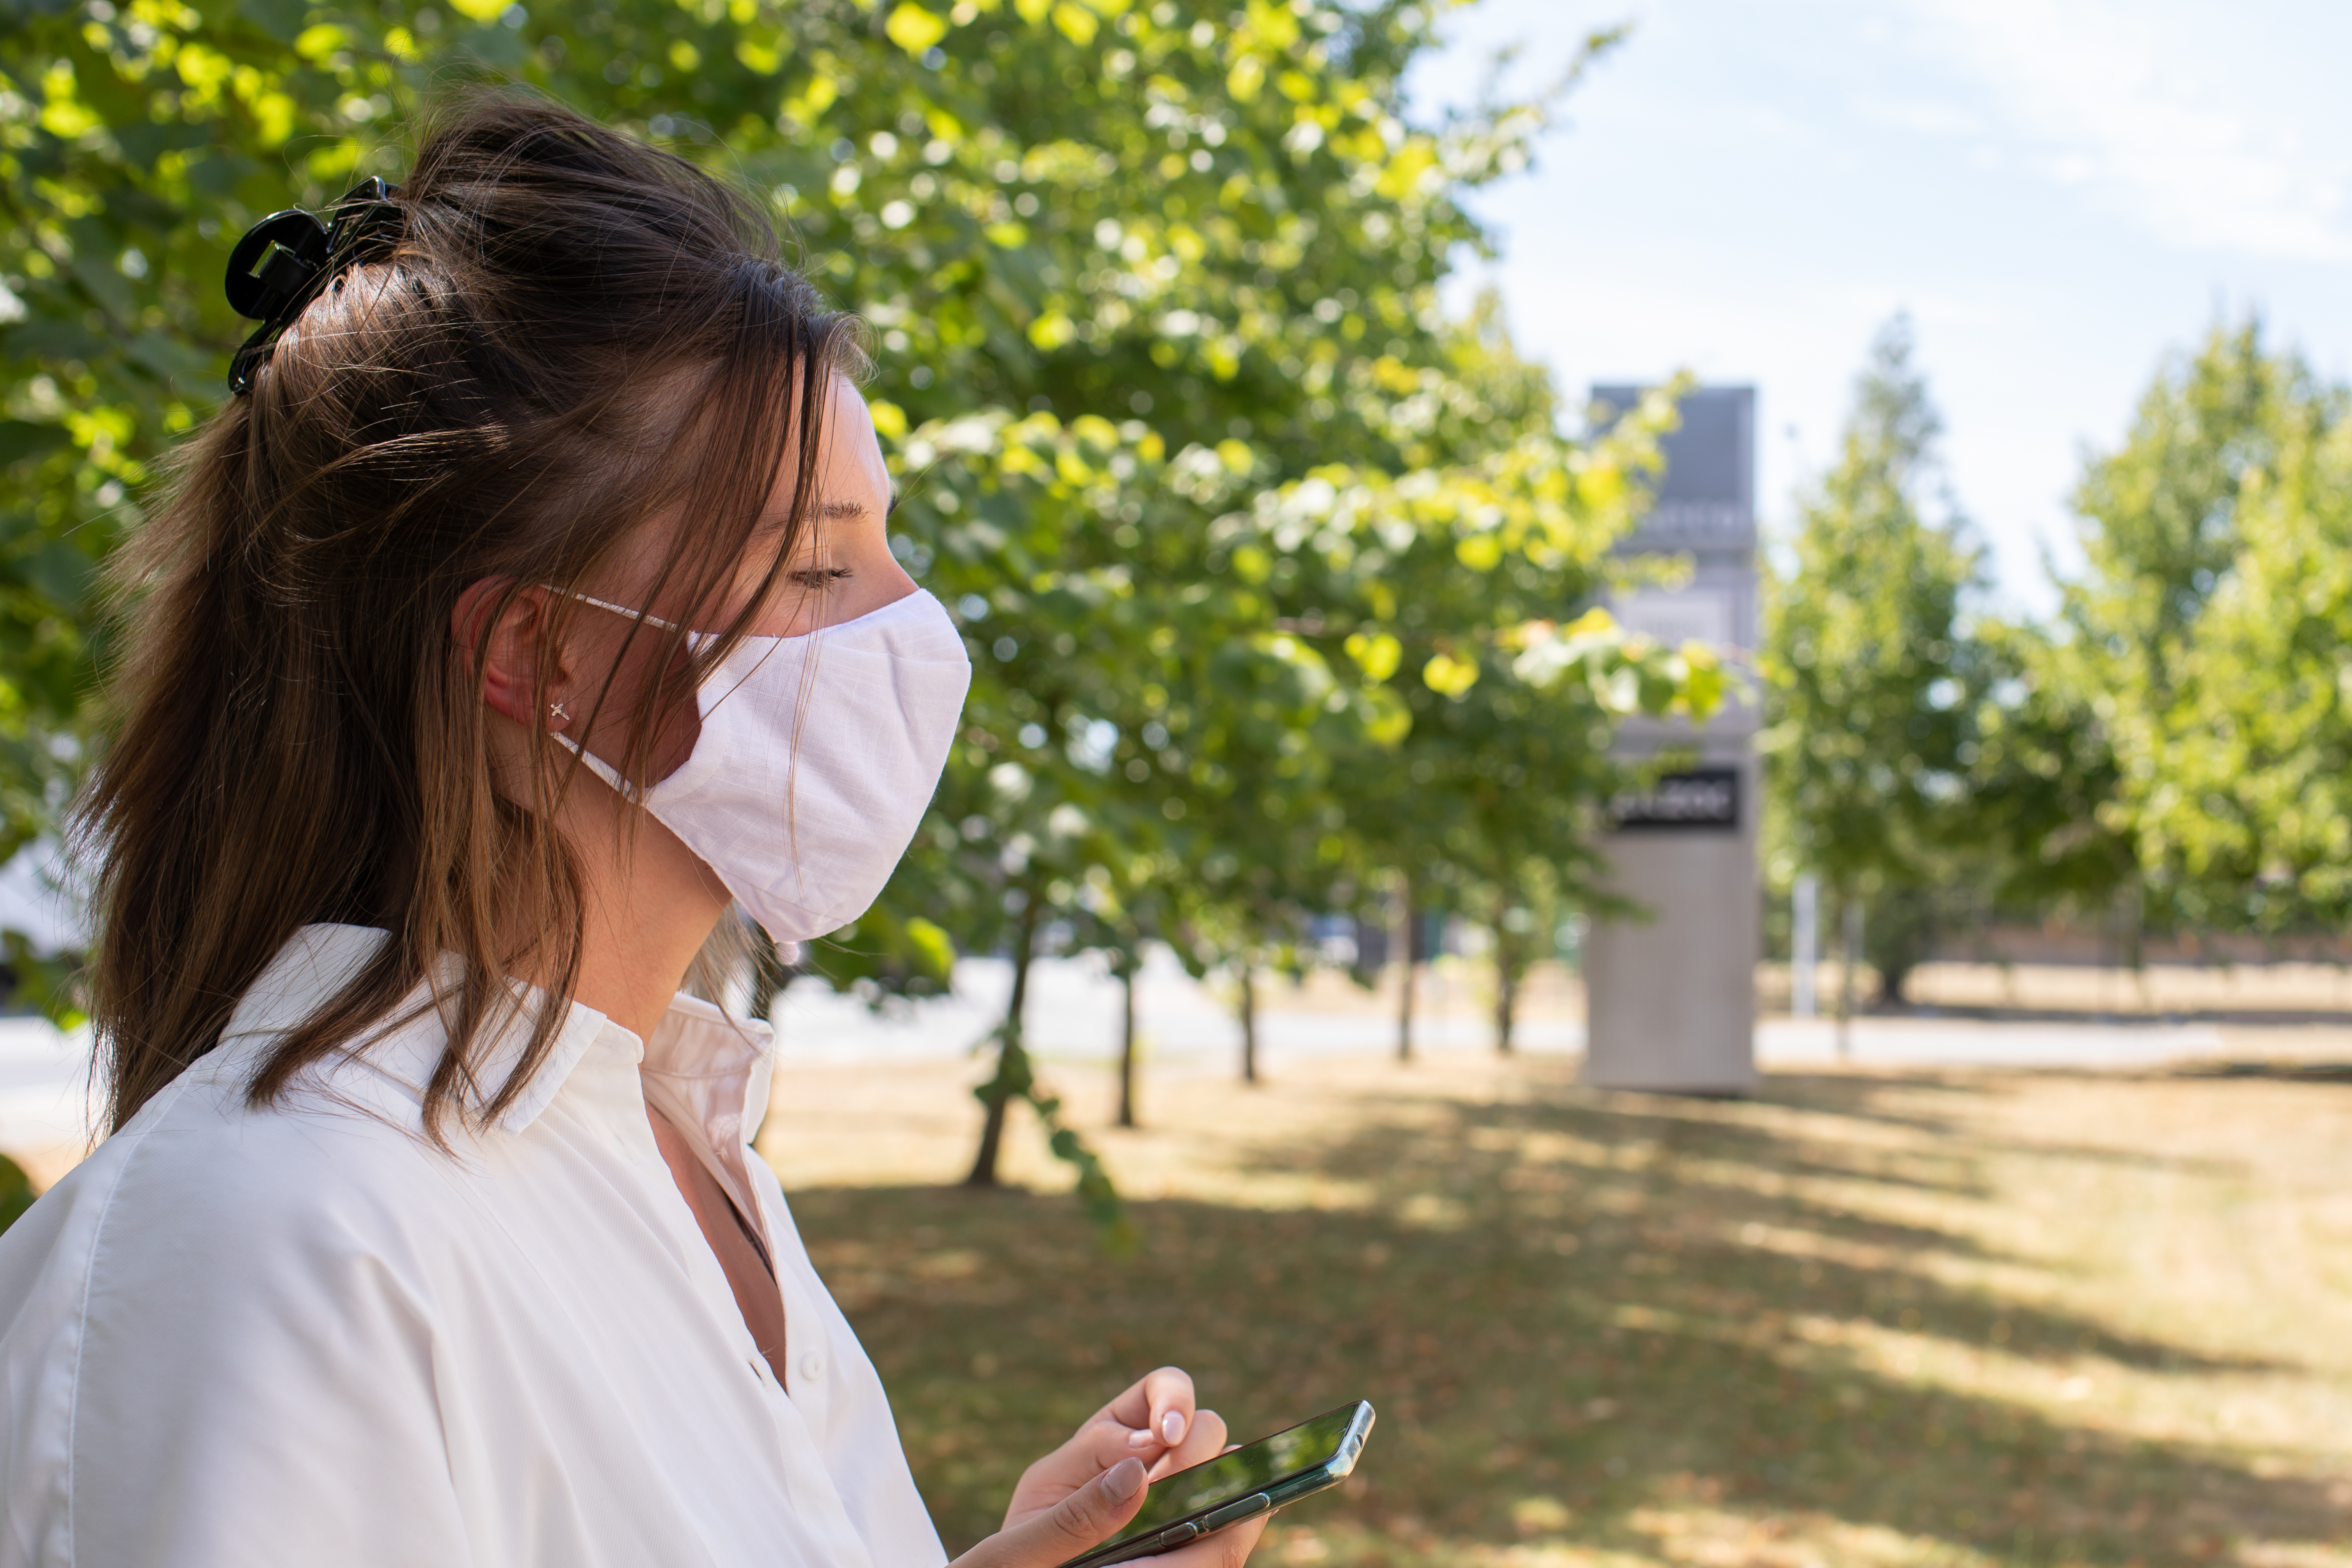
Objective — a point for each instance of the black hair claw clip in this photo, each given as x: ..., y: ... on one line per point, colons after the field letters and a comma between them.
x: 284, y: 260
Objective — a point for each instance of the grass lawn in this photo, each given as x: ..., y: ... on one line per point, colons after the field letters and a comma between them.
x: 1949, y: 1319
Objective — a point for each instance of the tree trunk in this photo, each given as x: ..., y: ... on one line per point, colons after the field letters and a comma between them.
x: 1405, y: 1012
x: 1507, y: 996
x: 1804, y: 945
x: 1012, y: 1057
x: 1127, y: 1050
x: 1411, y: 955
x: 1249, y: 1025
x: 1848, y: 956
x: 2131, y: 950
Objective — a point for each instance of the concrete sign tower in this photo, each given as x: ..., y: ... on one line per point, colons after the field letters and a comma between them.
x: 1671, y: 1001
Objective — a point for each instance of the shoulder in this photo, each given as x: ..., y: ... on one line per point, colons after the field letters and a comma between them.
x: 216, y: 1291
x: 201, y: 1195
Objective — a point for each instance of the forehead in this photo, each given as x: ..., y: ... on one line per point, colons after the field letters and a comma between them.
x: 849, y: 427
x: 849, y: 462
x: 853, y: 482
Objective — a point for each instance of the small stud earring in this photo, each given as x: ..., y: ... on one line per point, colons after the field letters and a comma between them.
x: 559, y: 713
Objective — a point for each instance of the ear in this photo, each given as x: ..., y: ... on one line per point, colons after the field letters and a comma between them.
x: 521, y: 668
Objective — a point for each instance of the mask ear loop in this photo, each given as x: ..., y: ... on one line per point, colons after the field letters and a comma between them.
x: 787, y: 952
x: 640, y: 615
x: 597, y: 764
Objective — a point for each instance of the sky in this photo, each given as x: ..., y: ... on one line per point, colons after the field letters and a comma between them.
x: 2060, y: 193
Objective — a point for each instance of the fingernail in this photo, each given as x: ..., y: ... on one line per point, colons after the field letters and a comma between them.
x: 1120, y: 1481
x: 1172, y: 1428
x: 1140, y: 1438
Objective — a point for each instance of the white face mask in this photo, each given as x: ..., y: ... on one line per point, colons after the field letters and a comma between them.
x: 817, y: 757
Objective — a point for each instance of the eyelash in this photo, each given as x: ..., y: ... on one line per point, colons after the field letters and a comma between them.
x: 820, y: 577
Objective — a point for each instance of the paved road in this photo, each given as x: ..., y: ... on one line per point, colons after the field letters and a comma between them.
x: 43, y: 1077
x: 1964, y: 1042
x: 1073, y: 1016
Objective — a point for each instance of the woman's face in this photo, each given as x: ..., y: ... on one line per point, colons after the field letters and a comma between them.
x: 840, y: 569
x: 843, y: 567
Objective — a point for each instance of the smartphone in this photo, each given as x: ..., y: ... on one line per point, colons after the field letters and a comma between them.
x: 1238, y: 1485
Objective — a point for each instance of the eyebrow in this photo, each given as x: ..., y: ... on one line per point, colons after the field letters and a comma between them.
x: 843, y: 511
x: 840, y: 510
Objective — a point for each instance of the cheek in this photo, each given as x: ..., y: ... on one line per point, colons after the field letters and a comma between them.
x: 753, y: 572
x: 677, y: 718
x: 681, y: 727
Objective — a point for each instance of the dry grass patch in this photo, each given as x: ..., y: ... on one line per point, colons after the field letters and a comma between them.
x: 1934, y: 1319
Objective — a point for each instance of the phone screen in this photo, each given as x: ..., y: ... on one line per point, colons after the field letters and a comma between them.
x: 1251, y: 1467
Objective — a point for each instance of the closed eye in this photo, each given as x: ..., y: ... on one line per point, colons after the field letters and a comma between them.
x: 818, y: 577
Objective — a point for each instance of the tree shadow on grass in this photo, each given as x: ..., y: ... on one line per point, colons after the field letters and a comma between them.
x: 1863, y: 1096
x: 1594, y: 1157
x: 1567, y: 1310
x: 2283, y: 1072
x: 1715, y: 1198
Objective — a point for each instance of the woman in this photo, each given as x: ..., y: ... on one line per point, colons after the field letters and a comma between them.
x: 529, y: 604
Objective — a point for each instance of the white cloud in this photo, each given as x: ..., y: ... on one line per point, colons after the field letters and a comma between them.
x: 2209, y: 131
x: 1923, y: 116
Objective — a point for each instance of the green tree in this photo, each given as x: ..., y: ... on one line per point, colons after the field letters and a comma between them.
x: 1161, y: 363
x: 2203, y: 630
x: 2159, y: 515
x: 1873, y: 674
x: 2044, y: 833
x: 1034, y: 829
x: 16, y: 1192
x: 1091, y: 207
x: 1480, y: 726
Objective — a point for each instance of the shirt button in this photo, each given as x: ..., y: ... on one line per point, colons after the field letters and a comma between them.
x: 812, y: 1365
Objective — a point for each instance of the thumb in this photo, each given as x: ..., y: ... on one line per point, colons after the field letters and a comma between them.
x: 1081, y: 1520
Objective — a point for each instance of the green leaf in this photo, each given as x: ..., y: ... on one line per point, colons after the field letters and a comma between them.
x: 283, y: 20
x: 22, y: 439
x: 913, y: 29
x: 61, y: 570
x: 51, y: 338
x: 16, y: 1192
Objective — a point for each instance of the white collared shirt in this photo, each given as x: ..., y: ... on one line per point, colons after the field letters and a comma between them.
x: 302, y: 1336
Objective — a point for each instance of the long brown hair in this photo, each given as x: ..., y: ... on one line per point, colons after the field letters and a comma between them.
x: 573, y: 333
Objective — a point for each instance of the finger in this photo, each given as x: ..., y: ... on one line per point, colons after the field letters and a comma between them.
x: 1093, y: 1448
x: 1085, y: 1517
x: 1159, y: 1403
x: 1105, y: 1440
x: 1204, y: 1440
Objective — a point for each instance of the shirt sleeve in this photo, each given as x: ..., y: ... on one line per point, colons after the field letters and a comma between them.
x: 256, y: 1377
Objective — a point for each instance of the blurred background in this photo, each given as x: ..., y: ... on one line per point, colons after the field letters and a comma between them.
x: 1757, y: 960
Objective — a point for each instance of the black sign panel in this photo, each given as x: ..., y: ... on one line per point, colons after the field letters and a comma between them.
x: 1701, y: 800
x: 1705, y: 499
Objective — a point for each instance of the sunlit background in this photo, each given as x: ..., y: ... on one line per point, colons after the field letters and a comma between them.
x: 2059, y: 194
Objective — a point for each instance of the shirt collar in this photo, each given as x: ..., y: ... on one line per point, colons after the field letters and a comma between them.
x: 730, y: 1059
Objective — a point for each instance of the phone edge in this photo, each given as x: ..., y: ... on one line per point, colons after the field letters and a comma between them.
x: 1323, y: 1477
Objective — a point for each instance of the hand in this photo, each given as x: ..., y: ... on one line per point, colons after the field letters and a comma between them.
x: 1083, y: 1492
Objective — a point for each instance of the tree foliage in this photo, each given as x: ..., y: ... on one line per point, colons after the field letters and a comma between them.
x: 2169, y: 751
x: 1268, y: 566
x: 2212, y: 632
x: 1876, y: 678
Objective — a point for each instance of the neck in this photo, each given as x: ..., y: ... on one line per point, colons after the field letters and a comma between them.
x: 648, y: 902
